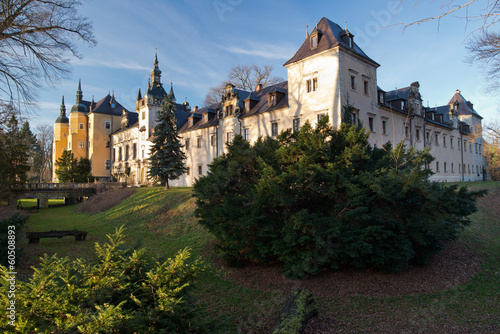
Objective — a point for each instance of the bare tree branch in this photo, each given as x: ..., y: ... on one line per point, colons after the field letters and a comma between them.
x: 243, y: 77
x: 38, y: 38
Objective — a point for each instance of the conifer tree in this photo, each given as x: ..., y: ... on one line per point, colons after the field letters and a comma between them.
x: 15, y: 147
x: 167, y: 158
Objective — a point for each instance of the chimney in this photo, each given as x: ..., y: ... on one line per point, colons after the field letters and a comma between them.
x: 195, y: 109
x: 258, y: 87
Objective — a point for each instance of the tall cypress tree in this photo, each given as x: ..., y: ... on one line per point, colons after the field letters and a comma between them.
x: 167, y: 157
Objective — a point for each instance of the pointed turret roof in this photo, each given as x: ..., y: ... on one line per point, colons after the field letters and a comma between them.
x: 79, y: 105
x: 331, y: 36
x: 464, y: 106
x: 172, y: 90
x: 139, y: 95
x: 62, y: 118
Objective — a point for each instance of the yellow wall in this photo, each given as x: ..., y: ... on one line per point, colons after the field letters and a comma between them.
x: 99, y: 149
x: 61, y: 131
x: 78, y: 135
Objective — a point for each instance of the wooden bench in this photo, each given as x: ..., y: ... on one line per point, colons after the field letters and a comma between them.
x: 34, y: 237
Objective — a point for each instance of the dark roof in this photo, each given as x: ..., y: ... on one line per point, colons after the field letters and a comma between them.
x: 156, y: 91
x: 62, y: 119
x: 330, y: 37
x: 398, y: 94
x: 464, y: 108
x: 105, y: 106
x: 261, y: 96
x: 212, y: 120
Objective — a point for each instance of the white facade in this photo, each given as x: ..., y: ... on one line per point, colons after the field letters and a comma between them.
x: 327, y: 71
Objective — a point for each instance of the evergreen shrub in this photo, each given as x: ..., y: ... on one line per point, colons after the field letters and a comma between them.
x: 11, y: 228
x: 320, y: 198
x: 123, y: 291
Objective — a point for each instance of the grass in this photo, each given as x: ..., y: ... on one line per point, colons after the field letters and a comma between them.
x: 31, y: 203
x: 163, y: 221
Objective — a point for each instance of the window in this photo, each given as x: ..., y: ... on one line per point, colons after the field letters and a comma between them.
x: 272, y: 100
x: 205, y: 117
x: 107, y: 124
x: 246, y: 134
x: 476, y: 147
x: 314, y: 41
x: 81, y: 144
x: 365, y: 87
x: 402, y: 105
x: 480, y: 149
x: 120, y: 154
x: 229, y: 110
x: 134, y: 151
x: 126, y: 152
x: 437, y: 166
x: 188, y: 170
x: 470, y: 148
x: 353, y: 82
x: 296, y: 124
x: 459, y: 144
x: 354, y: 118
x: 370, y: 124
x: 229, y: 137
x: 107, y: 144
x: 468, y: 167
x: 428, y: 137
x: 437, y: 139
x: 187, y: 143
x: 451, y: 142
x: 274, y: 129
x: 444, y: 141
x: 381, y: 98
x: 114, y: 154
x: 444, y: 167
x: 82, y: 126
x: 320, y: 116
x: 452, y: 169
x: 312, y: 85
x: 212, y: 140
x: 107, y: 164
x: 384, y: 127
x: 200, y: 170
x: 465, y: 146
x: 407, y: 132
x: 198, y: 142
x: 417, y: 134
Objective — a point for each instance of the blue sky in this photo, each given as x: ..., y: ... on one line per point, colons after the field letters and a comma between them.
x: 200, y: 41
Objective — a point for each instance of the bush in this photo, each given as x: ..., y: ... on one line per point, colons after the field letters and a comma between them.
x: 320, y: 198
x: 11, y: 228
x: 105, y: 200
x: 124, y: 291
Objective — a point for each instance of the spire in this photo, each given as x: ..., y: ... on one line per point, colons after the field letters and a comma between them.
x: 139, y: 95
x: 156, y: 73
x: 172, y: 90
x: 63, y: 107
x: 79, y: 94
x: 307, y: 31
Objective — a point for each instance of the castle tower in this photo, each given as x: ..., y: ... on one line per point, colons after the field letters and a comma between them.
x: 61, y: 131
x: 78, y: 126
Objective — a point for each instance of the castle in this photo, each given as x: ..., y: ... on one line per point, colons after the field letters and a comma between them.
x: 328, y: 70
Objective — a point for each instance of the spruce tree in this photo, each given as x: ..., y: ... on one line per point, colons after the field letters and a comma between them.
x: 167, y: 157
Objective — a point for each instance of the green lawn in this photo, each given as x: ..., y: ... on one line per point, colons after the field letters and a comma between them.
x: 163, y: 222
x: 30, y: 203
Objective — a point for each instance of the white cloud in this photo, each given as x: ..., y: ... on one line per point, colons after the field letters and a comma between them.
x: 265, y: 50
x: 127, y: 65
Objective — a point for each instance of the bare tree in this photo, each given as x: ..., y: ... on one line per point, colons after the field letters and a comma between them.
x: 45, y: 136
x: 483, y: 44
x: 37, y: 40
x: 243, y: 77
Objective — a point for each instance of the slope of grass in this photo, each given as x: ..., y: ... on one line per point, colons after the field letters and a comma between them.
x: 163, y: 221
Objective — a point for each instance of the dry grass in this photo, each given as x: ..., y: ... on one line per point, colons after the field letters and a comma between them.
x: 105, y: 200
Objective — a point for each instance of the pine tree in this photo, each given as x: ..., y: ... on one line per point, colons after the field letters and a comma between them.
x: 167, y: 158
x: 15, y: 147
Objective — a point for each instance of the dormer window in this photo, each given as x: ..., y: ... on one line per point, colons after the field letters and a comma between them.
x: 381, y: 98
x: 191, y: 122
x: 272, y: 100
x: 314, y: 41
x: 205, y: 117
x: 229, y: 110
